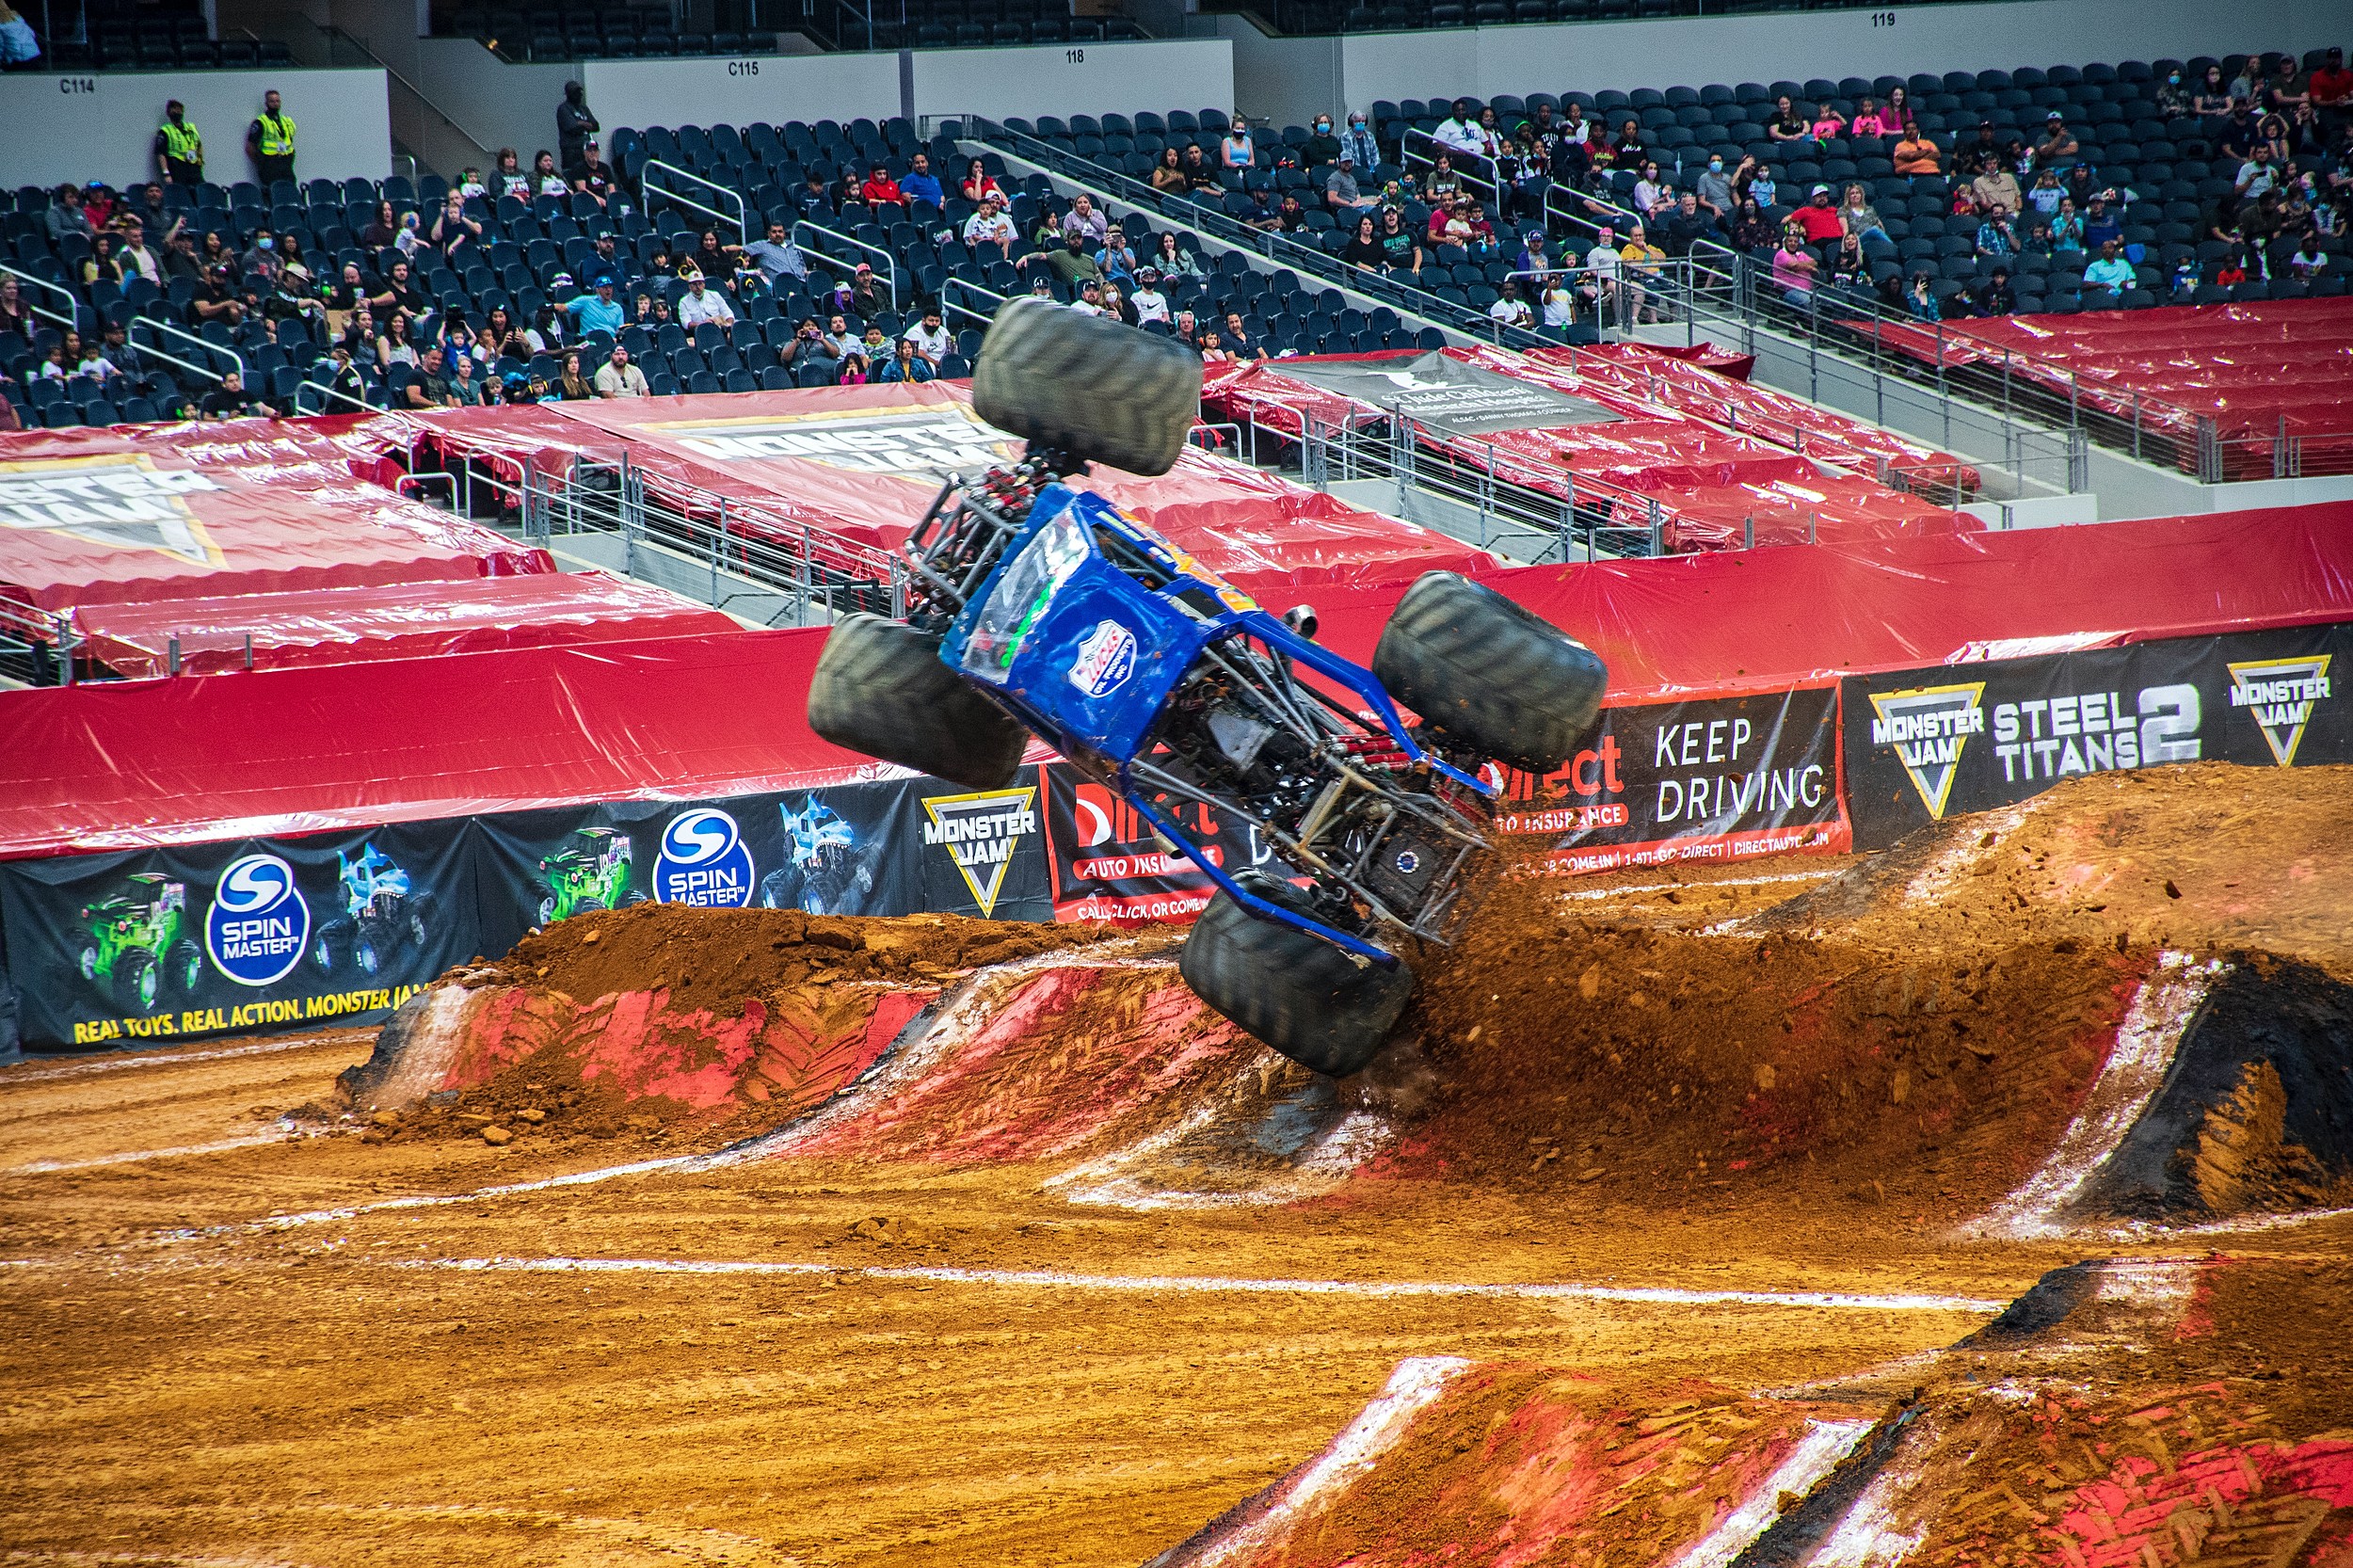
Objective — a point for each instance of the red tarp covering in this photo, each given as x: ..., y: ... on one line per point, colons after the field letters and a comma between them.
x: 91, y: 517
x: 2257, y: 371
x: 291, y: 750
x: 1770, y: 619
x: 1727, y: 462
x: 406, y: 620
x: 863, y: 463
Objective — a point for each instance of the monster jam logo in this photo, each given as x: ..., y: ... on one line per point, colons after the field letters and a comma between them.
x: 926, y: 443
x: 979, y: 833
x: 703, y: 862
x: 2279, y: 694
x: 1107, y: 657
x: 1927, y: 726
x: 120, y: 503
x: 258, y: 924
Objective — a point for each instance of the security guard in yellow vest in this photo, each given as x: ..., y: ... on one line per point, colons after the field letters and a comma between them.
x: 180, y: 147
x: 269, y: 141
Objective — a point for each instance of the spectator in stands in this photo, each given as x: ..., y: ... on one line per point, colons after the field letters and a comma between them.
x: 920, y: 184
x: 1116, y: 259
x: 1997, y: 187
x: 383, y: 231
x: 1085, y: 222
x: 1859, y: 218
x: 869, y: 295
x: 704, y: 304
x: 1687, y: 225
x: 1444, y: 183
x: 2056, y: 144
x: 1168, y: 175
x: 777, y: 257
x: 2310, y: 258
x: 2330, y: 90
x: 714, y: 261
x: 465, y: 390
x: 1174, y: 260
x: 16, y: 314
x: 1364, y: 247
x: 1788, y: 124
x: 1074, y: 263
x: 66, y: 216
x: 269, y: 141
x: 1820, y: 221
x: 930, y: 336
x: 179, y: 147
x: 1200, y: 174
x: 1827, y: 123
x: 1795, y: 265
x: 2211, y: 102
x: 1089, y: 299
x: 1558, y: 302
x: 1146, y: 300
x: 1510, y: 309
x: 905, y: 364
x: 1458, y: 132
x: 1237, y: 341
x: 216, y: 298
x: 1752, y: 229
x: 1754, y: 182
x: 1872, y: 120
x: 430, y: 386
x: 880, y: 190
x: 1321, y: 146
x: 1915, y: 156
x: 1713, y: 190
x: 100, y: 265
x: 1995, y: 235
x: 2046, y: 193
x: 1651, y: 194
x: 572, y: 387
x: 2286, y: 90
x: 574, y: 123
x: 1400, y: 247
x: 988, y: 226
x: 1627, y: 152
x: 1115, y: 305
x: 1920, y: 299
x: 1212, y: 350
x: 619, y: 378
x: 2101, y: 224
x: 1235, y: 152
x: 979, y: 183
x: 1995, y: 297
x: 1358, y: 143
x: 229, y: 400
x: 507, y: 177
x: 590, y: 176
x: 547, y: 175
x: 1342, y: 193
x: 2111, y: 271
x: 457, y: 235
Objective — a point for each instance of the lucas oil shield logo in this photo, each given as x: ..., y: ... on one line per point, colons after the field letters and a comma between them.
x: 1927, y: 726
x: 703, y: 862
x: 1107, y: 657
x: 979, y: 833
x: 2279, y: 695
x: 258, y: 924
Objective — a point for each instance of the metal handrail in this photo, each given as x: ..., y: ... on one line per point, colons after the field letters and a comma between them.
x: 889, y: 268
x: 40, y: 630
x: 325, y: 390
x: 73, y: 318
x: 649, y: 190
x: 244, y: 372
x: 984, y: 317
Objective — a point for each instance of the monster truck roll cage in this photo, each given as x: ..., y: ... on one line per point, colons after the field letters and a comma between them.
x: 1390, y: 829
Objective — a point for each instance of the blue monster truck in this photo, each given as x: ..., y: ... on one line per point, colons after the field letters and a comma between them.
x: 1037, y: 606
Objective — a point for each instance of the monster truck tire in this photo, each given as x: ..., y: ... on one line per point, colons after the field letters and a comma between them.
x: 187, y: 967
x: 1490, y: 675
x: 138, y: 983
x: 1292, y: 989
x: 879, y: 688
x: 1098, y: 390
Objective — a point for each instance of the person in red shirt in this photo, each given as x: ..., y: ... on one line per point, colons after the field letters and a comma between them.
x: 880, y: 187
x: 1819, y: 219
x: 2331, y: 90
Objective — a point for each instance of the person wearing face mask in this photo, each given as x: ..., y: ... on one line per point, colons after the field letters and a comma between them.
x: 1715, y: 190
x: 1321, y: 146
x: 1358, y: 143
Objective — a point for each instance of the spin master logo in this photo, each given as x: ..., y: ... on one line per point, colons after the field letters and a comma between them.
x: 259, y: 923
x: 2279, y: 695
x: 1927, y: 726
x: 703, y: 862
x: 1107, y: 657
x: 980, y: 832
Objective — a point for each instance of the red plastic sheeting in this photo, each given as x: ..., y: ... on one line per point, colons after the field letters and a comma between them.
x: 2258, y: 370
x: 1773, y: 619
x: 864, y: 463
x: 287, y: 751
x: 406, y: 620
x: 91, y: 517
x: 1727, y: 464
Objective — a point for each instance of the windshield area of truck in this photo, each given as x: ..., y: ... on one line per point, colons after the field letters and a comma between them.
x: 1022, y: 595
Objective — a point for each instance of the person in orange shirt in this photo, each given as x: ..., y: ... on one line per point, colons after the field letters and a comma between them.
x: 1916, y: 156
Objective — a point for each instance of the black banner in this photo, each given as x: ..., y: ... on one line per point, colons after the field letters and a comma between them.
x: 1108, y: 863
x: 1925, y: 744
x: 269, y: 935
x: 1720, y: 779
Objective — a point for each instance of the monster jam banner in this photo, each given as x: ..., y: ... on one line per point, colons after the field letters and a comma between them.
x: 278, y: 934
x: 1721, y: 779
x: 1107, y: 862
x: 1449, y: 396
x: 1925, y: 744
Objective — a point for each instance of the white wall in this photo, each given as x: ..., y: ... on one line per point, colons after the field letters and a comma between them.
x: 1693, y: 51
x: 496, y: 104
x: 101, y: 126
x: 1283, y: 81
x: 772, y: 87
x: 1067, y: 79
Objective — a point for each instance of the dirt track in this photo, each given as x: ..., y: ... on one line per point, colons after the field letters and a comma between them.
x: 187, y: 1379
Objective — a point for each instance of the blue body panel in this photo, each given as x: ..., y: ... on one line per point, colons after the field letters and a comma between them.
x: 1087, y: 656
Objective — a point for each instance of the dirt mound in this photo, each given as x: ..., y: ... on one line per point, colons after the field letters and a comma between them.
x: 669, y: 1025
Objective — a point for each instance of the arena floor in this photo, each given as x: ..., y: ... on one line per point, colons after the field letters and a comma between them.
x: 238, y: 1326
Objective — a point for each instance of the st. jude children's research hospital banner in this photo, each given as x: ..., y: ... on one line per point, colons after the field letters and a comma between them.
x: 260, y: 935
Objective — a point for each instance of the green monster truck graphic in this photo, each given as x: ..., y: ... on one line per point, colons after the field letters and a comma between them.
x: 591, y: 872
x: 378, y: 910
x: 136, y: 942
